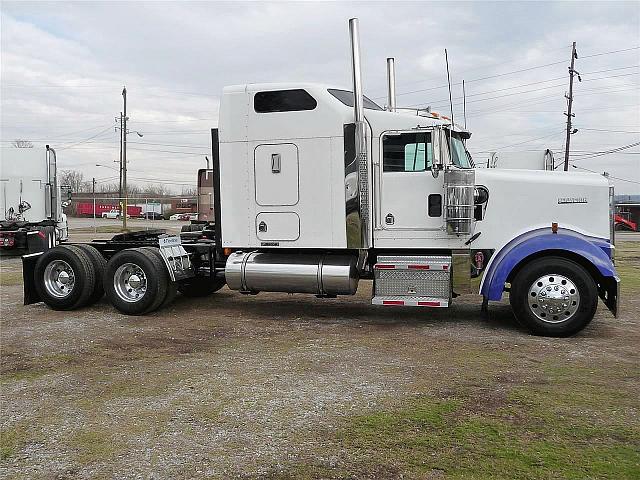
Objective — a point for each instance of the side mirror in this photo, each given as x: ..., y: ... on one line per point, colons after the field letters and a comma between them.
x: 438, y: 143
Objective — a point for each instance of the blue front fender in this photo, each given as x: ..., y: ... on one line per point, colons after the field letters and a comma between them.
x: 596, y: 251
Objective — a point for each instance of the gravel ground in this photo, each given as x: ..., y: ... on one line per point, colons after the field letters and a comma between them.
x: 247, y: 386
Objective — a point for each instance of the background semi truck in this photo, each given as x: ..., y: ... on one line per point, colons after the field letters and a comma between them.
x: 529, y: 160
x: 316, y: 188
x: 31, y: 201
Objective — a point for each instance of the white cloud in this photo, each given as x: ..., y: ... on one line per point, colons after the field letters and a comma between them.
x: 63, y: 66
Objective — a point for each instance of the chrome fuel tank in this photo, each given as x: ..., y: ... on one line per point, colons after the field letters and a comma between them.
x: 318, y: 274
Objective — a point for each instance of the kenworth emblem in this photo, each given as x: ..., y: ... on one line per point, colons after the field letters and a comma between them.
x: 572, y: 200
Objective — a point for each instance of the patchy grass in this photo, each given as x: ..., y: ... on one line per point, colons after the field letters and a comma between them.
x: 628, y: 266
x: 575, y: 426
x: 8, y: 278
x: 11, y: 440
x: 93, y: 444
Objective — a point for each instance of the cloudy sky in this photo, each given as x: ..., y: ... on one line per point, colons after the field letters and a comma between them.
x: 63, y: 65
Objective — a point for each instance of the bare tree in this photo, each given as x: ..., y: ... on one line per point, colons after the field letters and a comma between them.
x: 75, y: 180
x: 134, y: 190
x: 109, y: 188
x: 156, y: 190
x: 189, y: 191
x: 20, y: 143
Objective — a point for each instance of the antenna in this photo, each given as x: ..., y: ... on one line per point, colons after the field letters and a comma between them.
x: 464, y: 105
x: 446, y: 58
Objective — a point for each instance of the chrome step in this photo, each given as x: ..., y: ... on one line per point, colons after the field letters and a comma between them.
x: 413, y: 276
x: 408, y: 301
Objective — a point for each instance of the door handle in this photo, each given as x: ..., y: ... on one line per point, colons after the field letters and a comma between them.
x: 275, y: 163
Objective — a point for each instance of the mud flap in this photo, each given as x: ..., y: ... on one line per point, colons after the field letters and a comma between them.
x: 28, y: 277
x: 610, y: 294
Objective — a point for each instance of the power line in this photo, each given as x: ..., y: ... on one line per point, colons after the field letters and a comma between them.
x: 607, y: 152
x: 521, y: 143
x: 608, y: 176
x: 171, y: 144
x: 513, y: 72
x: 440, y: 102
x: 169, y: 151
x: 66, y: 147
x: 609, y: 131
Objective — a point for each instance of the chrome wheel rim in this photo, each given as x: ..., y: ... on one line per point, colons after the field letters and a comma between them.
x: 59, y: 279
x: 130, y: 282
x: 554, y: 298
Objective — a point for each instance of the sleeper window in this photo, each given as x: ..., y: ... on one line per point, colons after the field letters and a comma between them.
x: 283, y: 101
x: 407, y: 152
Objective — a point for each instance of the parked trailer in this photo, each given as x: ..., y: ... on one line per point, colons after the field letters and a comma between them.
x: 317, y: 187
x: 85, y: 209
x: 31, y: 201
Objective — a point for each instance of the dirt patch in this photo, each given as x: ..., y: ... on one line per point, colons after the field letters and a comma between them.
x: 280, y: 386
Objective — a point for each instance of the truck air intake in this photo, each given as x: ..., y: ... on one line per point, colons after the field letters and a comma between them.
x: 459, y: 187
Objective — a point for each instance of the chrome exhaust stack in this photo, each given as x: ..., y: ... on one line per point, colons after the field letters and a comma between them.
x: 391, y: 84
x: 360, y: 136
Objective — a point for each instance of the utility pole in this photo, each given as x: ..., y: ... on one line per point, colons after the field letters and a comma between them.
x: 120, y: 184
x: 569, y: 97
x: 93, y: 189
x: 124, y: 160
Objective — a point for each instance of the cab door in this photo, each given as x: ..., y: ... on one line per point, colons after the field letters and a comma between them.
x: 411, y: 199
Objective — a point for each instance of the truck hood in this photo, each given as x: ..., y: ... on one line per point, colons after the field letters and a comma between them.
x: 524, y: 200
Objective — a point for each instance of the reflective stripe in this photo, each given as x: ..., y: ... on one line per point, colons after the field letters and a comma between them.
x: 393, y: 302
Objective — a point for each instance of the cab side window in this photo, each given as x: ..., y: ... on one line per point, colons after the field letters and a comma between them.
x: 407, y: 152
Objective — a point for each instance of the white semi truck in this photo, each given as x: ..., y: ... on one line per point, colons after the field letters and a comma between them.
x: 317, y: 188
x: 31, y: 201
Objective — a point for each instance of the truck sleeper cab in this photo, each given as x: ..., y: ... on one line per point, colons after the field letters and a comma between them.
x: 317, y: 187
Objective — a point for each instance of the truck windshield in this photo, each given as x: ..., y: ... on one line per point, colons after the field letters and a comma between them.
x: 346, y: 97
x: 459, y: 154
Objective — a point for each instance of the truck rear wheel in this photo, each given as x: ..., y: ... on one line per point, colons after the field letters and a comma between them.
x: 172, y: 288
x: 200, y: 287
x: 135, y: 281
x: 99, y: 266
x: 554, y: 296
x: 64, y: 277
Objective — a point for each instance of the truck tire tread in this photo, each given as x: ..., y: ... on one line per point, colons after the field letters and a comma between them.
x: 99, y: 265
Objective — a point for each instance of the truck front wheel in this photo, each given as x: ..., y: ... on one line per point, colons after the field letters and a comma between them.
x: 553, y: 296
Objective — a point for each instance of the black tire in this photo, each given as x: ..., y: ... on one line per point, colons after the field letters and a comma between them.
x: 192, y: 227
x: 84, y: 278
x: 567, y: 315
x: 155, y: 283
x: 200, y: 286
x: 99, y: 266
x: 172, y: 288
